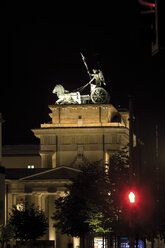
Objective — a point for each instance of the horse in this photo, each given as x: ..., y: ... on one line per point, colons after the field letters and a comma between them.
x: 66, y: 97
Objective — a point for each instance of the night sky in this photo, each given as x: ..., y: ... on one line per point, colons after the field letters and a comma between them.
x: 41, y: 45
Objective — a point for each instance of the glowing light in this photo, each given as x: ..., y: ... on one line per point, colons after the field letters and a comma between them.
x: 20, y: 207
x: 152, y: 5
x: 147, y: 4
x: 132, y: 197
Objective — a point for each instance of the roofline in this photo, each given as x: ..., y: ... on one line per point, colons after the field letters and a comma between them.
x: 56, y: 180
x: 49, y: 170
x: 76, y: 127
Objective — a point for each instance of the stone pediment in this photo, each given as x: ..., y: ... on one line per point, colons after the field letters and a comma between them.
x: 61, y: 172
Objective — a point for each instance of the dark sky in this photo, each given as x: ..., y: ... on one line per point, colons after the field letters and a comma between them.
x: 41, y: 45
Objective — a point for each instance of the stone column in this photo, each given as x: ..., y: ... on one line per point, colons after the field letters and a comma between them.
x: 106, y: 157
x: 51, y: 199
x: 46, y: 159
x: 76, y: 242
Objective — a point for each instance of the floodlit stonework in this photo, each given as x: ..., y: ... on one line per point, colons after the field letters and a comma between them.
x: 76, y: 134
x: 79, y: 133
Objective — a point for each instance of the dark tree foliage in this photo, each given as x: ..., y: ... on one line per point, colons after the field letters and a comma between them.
x: 90, y: 203
x: 94, y: 203
x: 30, y: 223
x: 6, y: 233
x: 81, y: 197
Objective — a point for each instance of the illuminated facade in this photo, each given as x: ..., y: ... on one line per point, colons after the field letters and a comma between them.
x: 2, y: 180
x: 81, y: 132
x: 75, y: 134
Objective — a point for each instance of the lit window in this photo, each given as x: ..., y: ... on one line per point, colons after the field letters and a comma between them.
x: 30, y: 166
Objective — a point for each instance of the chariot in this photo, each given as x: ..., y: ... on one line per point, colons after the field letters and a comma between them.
x: 98, y: 95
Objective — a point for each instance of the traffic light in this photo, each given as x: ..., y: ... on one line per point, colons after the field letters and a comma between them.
x: 149, y: 20
x: 132, y: 197
x: 131, y: 207
x: 148, y: 6
x: 137, y: 204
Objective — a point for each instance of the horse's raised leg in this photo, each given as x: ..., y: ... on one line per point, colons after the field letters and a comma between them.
x: 58, y: 101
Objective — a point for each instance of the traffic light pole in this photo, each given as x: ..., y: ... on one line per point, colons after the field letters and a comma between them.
x: 131, y: 169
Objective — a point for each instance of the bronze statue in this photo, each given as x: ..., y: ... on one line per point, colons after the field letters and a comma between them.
x: 98, y: 94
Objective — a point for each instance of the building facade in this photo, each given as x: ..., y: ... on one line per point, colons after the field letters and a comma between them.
x: 2, y: 179
x: 76, y: 134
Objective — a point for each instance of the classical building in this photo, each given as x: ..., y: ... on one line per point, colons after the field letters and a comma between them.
x: 76, y: 133
x: 2, y: 179
x: 2, y: 195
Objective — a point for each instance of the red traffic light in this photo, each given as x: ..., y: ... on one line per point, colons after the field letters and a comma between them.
x: 150, y: 7
x: 132, y: 197
x: 137, y: 203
